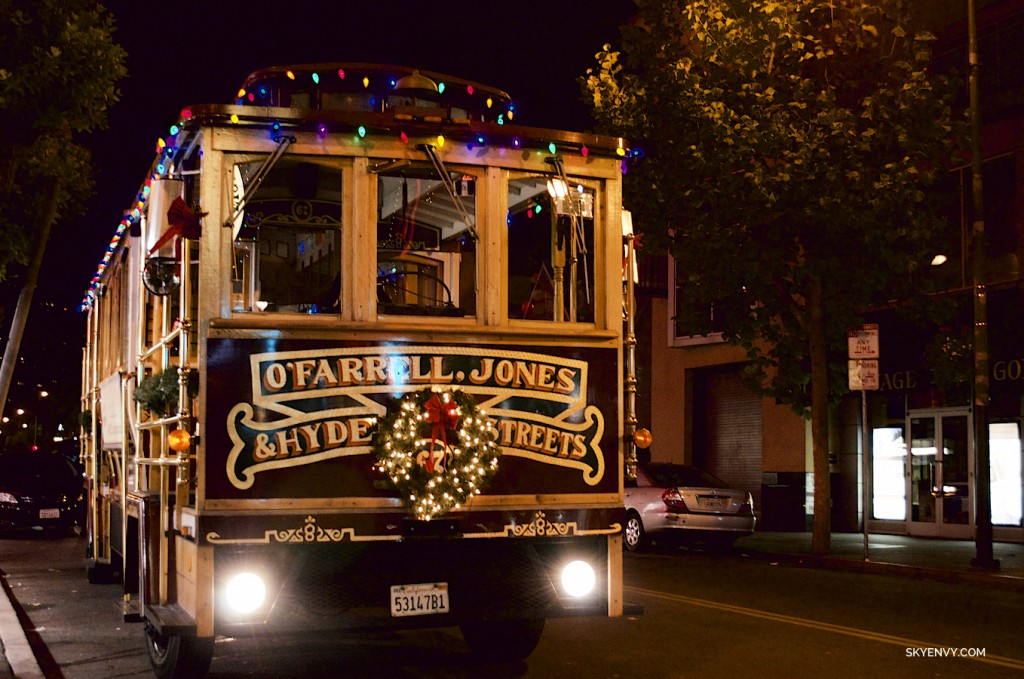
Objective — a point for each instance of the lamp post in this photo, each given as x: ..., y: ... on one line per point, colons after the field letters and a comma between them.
x: 982, y: 487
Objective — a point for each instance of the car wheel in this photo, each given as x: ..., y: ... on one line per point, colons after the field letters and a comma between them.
x: 175, y: 656
x: 634, y: 536
x: 502, y: 640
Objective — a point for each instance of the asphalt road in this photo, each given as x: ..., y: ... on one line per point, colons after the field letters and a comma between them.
x: 704, y: 615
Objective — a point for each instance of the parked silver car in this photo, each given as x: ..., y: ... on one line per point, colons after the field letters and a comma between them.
x: 679, y: 501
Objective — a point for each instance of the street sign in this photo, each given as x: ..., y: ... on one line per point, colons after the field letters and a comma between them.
x: 863, y: 341
x: 863, y: 374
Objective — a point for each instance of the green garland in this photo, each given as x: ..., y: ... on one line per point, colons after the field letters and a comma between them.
x: 438, y: 448
x: 158, y: 392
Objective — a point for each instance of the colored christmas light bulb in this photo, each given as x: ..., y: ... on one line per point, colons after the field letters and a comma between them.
x: 316, y: 78
x: 366, y: 81
x: 440, y: 88
x: 291, y: 76
x: 341, y: 73
x: 361, y: 131
x: 552, y: 148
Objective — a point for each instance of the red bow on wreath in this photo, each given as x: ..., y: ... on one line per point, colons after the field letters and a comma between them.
x: 443, y: 415
x: 183, y: 223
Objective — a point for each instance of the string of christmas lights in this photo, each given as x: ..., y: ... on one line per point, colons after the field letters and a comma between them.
x: 261, y: 94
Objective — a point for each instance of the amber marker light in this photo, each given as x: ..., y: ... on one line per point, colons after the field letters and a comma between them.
x: 179, y: 440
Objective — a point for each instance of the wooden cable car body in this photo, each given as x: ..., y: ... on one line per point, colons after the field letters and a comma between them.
x: 341, y: 240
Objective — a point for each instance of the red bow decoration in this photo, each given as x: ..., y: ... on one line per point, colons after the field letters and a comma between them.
x: 443, y: 415
x: 184, y: 223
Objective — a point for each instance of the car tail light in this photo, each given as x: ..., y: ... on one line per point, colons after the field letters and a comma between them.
x: 673, y: 500
x: 747, y: 507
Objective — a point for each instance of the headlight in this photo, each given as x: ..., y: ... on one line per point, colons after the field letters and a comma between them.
x: 7, y: 498
x: 578, y: 579
x: 245, y: 593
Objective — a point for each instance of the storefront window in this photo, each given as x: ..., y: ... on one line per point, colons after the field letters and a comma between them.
x: 1005, y: 473
x: 889, y: 490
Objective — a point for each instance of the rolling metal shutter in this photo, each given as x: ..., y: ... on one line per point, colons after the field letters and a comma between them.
x: 733, y: 432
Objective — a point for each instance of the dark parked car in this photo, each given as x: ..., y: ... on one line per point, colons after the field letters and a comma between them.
x: 39, y: 490
x: 679, y: 501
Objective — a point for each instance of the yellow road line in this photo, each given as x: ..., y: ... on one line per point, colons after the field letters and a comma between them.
x: 825, y: 626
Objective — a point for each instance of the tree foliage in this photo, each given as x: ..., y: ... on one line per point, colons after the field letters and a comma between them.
x: 783, y: 141
x: 59, y: 67
x: 789, y: 152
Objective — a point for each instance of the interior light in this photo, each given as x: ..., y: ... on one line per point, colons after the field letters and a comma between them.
x: 938, y: 259
x: 557, y: 188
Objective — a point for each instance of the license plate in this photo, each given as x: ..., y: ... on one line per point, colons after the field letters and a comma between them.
x: 420, y: 599
x: 49, y: 513
x: 710, y: 503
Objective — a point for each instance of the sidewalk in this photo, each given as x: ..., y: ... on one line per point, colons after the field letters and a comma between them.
x: 900, y: 555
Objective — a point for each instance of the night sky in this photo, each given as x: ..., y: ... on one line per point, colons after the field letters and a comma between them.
x: 191, y: 52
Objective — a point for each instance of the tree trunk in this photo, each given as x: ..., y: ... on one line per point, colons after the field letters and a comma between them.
x: 821, y: 538
x: 42, y: 231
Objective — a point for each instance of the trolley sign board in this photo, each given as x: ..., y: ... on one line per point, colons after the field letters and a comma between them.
x: 863, y: 341
x: 863, y: 374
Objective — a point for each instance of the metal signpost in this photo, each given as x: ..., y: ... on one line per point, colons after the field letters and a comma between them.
x: 862, y: 344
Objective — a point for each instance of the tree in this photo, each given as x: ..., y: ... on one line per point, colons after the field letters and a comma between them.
x: 59, y: 67
x: 789, y: 149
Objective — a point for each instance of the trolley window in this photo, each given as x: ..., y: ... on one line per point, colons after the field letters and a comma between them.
x: 550, y: 250
x: 426, y: 250
x: 287, y: 255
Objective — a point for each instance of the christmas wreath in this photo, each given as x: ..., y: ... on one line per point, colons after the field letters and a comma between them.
x: 438, y: 448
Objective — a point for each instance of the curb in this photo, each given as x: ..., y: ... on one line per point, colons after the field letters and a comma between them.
x: 17, y: 649
x: 982, y: 578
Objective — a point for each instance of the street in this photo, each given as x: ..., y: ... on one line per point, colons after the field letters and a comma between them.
x: 704, y: 614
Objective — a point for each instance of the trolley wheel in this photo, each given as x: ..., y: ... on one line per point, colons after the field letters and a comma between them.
x: 176, y: 656
x: 502, y: 640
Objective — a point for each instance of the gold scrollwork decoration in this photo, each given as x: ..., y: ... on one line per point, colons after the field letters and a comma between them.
x: 306, y: 533
x: 540, y: 526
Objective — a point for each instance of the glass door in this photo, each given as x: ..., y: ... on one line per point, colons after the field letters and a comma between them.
x: 941, y: 457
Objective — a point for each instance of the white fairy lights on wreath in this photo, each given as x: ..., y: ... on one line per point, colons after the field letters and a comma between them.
x: 438, y: 448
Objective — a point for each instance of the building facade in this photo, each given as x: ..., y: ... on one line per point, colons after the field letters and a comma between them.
x: 917, y: 475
